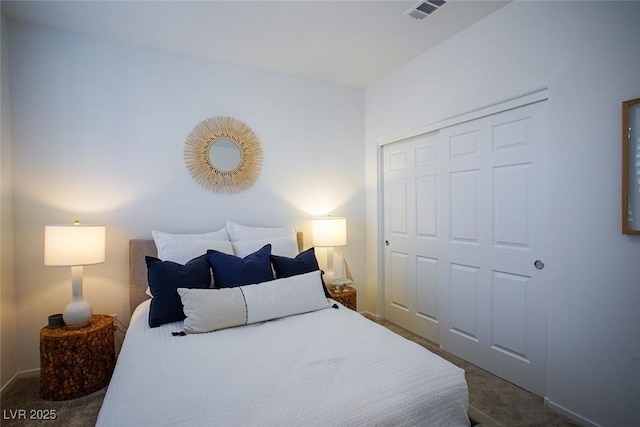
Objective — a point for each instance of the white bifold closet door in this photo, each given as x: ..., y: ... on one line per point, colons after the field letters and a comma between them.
x: 465, y: 223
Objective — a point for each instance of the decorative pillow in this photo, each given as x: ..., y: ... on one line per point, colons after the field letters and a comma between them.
x: 243, y: 232
x: 279, y: 246
x: 208, y: 310
x: 167, y: 276
x: 230, y: 271
x: 304, y: 262
x: 181, y: 248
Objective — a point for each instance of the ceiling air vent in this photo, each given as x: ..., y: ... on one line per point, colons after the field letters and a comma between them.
x: 425, y: 8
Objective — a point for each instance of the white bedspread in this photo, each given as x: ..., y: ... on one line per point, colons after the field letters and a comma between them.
x: 331, y: 367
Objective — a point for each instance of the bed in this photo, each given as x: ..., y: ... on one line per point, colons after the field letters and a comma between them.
x: 329, y: 366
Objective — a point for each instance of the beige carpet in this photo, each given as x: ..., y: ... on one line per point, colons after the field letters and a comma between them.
x: 492, y: 401
x: 24, y: 395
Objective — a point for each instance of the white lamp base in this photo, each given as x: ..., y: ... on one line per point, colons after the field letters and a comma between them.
x: 77, y: 313
x: 334, y: 259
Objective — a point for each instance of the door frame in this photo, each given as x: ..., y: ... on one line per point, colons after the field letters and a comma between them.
x: 509, y: 104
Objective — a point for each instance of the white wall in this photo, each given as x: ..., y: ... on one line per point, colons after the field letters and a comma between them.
x: 8, y: 364
x: 587, y: 54
x: 98, y: 134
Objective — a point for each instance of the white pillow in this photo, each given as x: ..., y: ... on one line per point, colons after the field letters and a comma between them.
x: 243, y: 232
x: 182, y: 248
x: 208, y: 310
x: 280, y: 246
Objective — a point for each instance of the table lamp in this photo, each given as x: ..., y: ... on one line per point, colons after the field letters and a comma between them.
x: 75, y: 245
x: 330, y: 232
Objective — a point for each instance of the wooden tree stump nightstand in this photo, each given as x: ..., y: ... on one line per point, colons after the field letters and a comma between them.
x: 75, y: 362
x: 346, y: 297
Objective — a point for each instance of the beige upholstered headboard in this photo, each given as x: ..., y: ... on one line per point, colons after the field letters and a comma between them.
x: 138, y: 282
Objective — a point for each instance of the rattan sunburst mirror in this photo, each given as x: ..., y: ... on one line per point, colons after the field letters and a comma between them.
x: 223, y: 154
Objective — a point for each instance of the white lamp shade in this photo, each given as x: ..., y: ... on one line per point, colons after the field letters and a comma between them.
x: 74, y: 245
x: 330, y: 231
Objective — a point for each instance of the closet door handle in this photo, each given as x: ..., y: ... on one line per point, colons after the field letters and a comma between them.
x: 538, y: 264
x: 386, y: 242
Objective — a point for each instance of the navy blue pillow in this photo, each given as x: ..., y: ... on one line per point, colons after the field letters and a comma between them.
x: 230, y: 271
x: 304, y: 262
x: 165, y: 277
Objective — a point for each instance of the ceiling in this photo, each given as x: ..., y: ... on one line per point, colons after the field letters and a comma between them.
x: 348, y: 42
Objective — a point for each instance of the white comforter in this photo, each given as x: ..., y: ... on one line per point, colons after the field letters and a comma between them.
x: 331, y: 367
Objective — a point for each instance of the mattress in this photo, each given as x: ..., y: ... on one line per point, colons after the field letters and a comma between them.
x: 331, y: 367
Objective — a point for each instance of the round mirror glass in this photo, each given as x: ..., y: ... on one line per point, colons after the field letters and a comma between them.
x: 225, y: 155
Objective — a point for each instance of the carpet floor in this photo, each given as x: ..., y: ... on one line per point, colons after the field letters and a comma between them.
x: 493, y: 402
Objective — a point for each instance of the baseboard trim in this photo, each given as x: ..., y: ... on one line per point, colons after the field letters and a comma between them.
x: 369, y: 314
x: 570, y: 414
x: 484, y: 419
x: 20, y: 374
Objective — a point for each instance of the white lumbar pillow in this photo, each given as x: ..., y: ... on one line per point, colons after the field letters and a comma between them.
x: 208, y: 310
